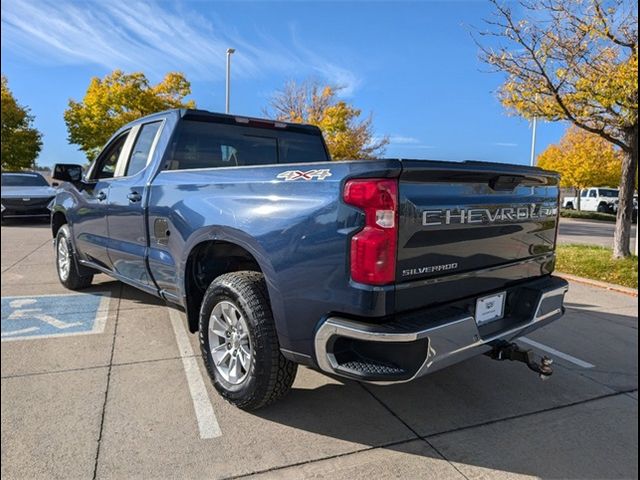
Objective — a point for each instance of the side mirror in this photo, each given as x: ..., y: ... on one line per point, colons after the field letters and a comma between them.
x: 67, y: 172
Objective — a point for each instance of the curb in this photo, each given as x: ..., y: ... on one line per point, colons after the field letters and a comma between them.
x: 596, y: 283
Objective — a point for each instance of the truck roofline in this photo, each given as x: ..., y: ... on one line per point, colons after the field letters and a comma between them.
x: 196, y: 114
x: 232, y: 119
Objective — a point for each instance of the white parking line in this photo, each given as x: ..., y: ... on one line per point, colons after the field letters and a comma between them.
x: 207, y: 421
x: 553, y: 351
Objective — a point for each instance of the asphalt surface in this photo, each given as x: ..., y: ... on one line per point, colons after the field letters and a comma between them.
x: 588, y: 232
x: 129, y: 398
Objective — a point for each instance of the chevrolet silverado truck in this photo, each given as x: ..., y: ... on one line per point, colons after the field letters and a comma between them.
x: 373, y: 270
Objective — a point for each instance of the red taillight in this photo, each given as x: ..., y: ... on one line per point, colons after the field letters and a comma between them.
x: 373, y: 249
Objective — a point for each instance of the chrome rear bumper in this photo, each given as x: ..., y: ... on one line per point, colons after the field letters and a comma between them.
x: 435, y: 344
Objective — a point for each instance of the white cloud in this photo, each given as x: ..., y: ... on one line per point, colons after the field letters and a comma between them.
x: 422, y: 146
x: 155, y: 37
x: 504, y: 144
x: 403, y: 140
x: 335, y: 74
x: 343, y: 78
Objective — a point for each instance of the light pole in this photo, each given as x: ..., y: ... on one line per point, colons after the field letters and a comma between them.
x: 230, y: 51
x: 533, y: 141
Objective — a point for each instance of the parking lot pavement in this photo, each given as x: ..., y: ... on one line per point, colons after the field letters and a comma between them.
x: 107, y: 384
x: 588, y: 232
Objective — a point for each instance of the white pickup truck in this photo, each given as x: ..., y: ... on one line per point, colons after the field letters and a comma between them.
x: 603, y: 200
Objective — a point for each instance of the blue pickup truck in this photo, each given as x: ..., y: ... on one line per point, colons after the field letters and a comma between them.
x: 374, y: 270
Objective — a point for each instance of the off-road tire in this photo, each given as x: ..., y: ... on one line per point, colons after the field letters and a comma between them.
x: 270, y: 374
x: 73, y: 281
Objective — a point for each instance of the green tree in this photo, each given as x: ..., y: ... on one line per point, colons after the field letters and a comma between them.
x: 21, y: 142
x: 118, y: 99
x: 347, y: 136
x: 584, y: 160
x: 575, y: 61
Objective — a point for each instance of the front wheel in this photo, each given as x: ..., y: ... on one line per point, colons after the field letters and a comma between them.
x: 66, y: 264
x: 239, y: 343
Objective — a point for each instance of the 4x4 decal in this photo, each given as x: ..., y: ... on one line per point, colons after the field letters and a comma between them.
x: 290, y: 175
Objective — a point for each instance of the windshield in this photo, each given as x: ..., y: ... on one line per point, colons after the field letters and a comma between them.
x: 608, y: 192
x: 23, y: 180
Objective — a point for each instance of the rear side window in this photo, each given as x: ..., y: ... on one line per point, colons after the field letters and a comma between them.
x: 609, y: 192
x: 142, y: 147
x: 211, y: 145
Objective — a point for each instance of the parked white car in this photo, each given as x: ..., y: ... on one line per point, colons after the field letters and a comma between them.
x: 603, y: 200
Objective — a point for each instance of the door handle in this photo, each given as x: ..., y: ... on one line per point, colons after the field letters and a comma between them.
x: 134, y: 197
x: 101, y: 196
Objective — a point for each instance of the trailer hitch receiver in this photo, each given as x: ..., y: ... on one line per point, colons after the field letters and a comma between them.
x: 512, y: 351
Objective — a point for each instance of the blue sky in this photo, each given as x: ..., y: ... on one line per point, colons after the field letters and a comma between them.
x: 413, y: 65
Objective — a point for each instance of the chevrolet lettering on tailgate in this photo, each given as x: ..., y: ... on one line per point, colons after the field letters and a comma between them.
x: 486, y: 215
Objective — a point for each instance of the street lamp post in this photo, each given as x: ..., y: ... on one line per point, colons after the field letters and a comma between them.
x: 533, y: 141
x: 230, y: 51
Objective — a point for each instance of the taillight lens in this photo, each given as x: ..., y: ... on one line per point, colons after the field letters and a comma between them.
x: 373, y: 249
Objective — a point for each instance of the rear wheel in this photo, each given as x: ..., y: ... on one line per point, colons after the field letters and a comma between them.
x: 603, y: 208
x: 239, y: 343
x: 569, y: 206
x: 66, y: 262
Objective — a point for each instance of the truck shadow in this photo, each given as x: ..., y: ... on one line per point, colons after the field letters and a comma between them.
x: 479, y: 414
x: 125, y: 292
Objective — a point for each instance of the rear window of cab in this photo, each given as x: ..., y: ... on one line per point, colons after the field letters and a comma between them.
x: 202, y: 144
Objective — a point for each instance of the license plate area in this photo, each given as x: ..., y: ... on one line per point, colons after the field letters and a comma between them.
x: 490, y: 308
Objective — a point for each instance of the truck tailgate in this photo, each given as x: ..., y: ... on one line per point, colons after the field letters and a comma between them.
x: 483, y: 225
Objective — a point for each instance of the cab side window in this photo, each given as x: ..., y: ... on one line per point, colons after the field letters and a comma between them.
x: 108, y: 159
x: 593, y: 193
x: 584, y: 193
x: 142, y: 148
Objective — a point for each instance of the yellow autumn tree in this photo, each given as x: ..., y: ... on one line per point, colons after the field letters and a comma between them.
x: 347, y: 136
x: 575, y: 61
x: 21, y: 142
x: 583, y: 159
x: 118, y: 99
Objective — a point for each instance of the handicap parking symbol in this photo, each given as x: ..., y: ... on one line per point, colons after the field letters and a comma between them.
x: 47, y: 316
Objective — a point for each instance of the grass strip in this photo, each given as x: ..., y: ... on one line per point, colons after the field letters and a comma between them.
x: 596, y: 263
